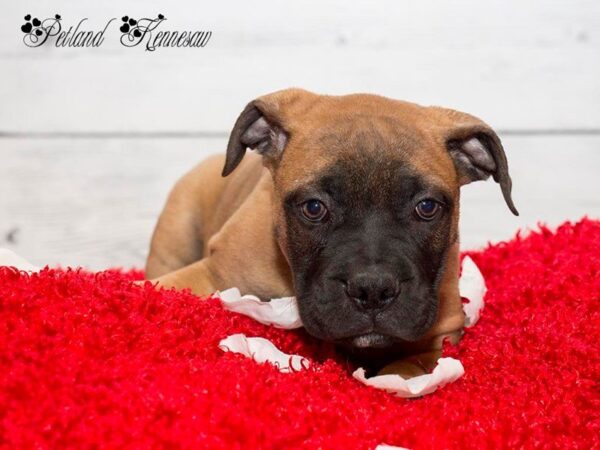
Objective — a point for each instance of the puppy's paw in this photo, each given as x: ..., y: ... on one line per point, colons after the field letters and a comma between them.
x: 413, y: 366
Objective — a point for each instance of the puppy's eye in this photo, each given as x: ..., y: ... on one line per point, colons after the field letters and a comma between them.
x: 427, y: 209
x: 314, y: 210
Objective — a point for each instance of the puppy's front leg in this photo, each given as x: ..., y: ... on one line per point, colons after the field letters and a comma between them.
x: 197, y: 276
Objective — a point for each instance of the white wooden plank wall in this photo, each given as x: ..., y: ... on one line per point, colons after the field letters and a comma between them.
x: 92, y: 139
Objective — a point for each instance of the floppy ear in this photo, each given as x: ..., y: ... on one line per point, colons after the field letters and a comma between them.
x: 477, y: 152
x: 259, y: 129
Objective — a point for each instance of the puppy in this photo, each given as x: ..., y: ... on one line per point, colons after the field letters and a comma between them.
x: 350, y: 203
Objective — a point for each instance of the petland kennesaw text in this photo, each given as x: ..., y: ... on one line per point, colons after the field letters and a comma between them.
x: 143, y: 32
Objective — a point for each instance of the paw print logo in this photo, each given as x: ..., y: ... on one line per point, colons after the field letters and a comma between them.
x: 132, y: 27
x: 32, y: 26
x: 129, y: 26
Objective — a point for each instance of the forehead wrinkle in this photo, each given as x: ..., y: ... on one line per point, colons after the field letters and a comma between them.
x: 359, y: 134
x: 375, y: 182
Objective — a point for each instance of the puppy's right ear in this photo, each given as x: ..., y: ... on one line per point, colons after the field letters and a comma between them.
x: 257, y: 128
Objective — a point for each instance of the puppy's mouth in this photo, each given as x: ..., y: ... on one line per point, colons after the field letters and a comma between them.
x: 372, y: 350
x: 371, y: 340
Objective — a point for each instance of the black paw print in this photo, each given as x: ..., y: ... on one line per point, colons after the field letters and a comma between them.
x: 31, y: 25
x: 128, y: 25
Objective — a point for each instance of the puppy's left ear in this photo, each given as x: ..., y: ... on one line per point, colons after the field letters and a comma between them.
x: 476, y: 151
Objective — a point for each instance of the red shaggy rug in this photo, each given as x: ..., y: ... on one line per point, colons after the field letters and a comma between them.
x: 90, y: 360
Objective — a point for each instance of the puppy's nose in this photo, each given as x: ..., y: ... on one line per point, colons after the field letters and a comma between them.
x: 372, y: 290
